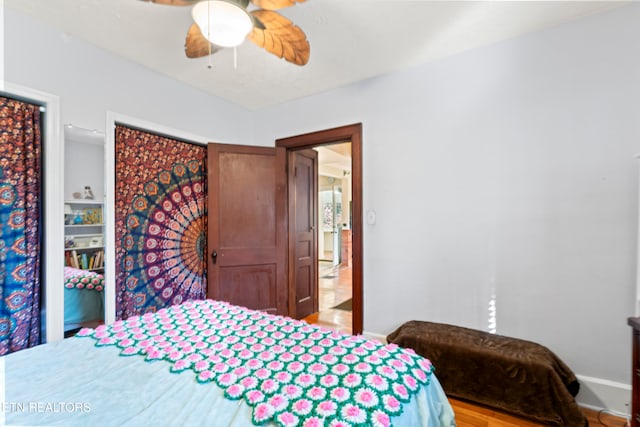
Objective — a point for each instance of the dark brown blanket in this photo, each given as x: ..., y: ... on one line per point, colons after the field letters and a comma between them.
x: 513, y: 375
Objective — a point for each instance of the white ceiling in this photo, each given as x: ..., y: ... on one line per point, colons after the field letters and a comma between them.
x: 334, y: 160
x: 351, y: 40
x: 78, y: 134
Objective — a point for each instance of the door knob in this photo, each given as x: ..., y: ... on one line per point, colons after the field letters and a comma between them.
x: 214, y: 257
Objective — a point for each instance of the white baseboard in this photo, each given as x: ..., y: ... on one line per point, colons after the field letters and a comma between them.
x: 598, y: 393
x: 374, y: 336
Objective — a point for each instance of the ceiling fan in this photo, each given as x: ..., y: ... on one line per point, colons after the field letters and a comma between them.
x: 226, y: 23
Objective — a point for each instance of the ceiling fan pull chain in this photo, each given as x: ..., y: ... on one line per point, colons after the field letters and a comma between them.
x: 210, y: 66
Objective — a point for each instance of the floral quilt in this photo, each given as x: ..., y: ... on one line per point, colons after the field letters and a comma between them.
x: 83, y: 279
x: 288, y: 372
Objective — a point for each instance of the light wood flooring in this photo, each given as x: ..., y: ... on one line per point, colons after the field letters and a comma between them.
x: 470, y: 415
x: 335, y: 287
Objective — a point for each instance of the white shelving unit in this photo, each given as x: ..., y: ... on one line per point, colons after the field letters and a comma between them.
x: 84, y: 234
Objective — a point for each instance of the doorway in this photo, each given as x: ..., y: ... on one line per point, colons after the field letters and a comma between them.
x: 83, y: 229
x: 346, y: 136
x: 335, y: 297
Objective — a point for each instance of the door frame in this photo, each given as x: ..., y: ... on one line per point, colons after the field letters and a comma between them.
x: 348, y: 133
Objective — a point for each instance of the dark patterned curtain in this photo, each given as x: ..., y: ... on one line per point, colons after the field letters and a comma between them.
x: 160, y: 204
x: 20, y: 227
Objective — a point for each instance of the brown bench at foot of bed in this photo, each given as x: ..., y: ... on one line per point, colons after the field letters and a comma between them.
x: 513, y: 375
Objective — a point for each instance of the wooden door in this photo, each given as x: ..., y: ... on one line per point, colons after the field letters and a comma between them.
x: 303, y: 233
x: 247, y: 227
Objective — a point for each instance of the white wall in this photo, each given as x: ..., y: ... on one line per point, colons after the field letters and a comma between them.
x: 1, y: 51
x: 84, y: 165
x: 91, y: 81
x: 514, y: 167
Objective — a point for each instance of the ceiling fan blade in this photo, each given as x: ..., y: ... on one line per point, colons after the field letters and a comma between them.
x: 275, y: 4
x: 196, y: 45
x: 281, y: 37
x: 174, y: 2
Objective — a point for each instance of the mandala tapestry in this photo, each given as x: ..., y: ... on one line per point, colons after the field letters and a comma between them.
x: 20, y: 228
x: 160, y: 205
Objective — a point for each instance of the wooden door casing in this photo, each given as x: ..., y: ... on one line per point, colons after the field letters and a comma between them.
x: 247, y: 227
x: 353, y: 134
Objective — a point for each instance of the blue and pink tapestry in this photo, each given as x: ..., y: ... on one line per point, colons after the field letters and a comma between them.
x: 160, y: 222
x: 20, y: 227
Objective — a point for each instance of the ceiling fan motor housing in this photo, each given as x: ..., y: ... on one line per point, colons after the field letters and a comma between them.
x: 223, y: 22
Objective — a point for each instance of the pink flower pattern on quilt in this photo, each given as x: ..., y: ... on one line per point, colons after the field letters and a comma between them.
x: 288, y: 372
x: 83, y: 279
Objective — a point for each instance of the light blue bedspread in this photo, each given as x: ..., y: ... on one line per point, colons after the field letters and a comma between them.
x: 82, y: 305
x: 73, y: 383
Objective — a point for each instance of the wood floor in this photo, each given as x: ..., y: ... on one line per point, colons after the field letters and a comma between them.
x: 470, y: 415
x: 335, y: 287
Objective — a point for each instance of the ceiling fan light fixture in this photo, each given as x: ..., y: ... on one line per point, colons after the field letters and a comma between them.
x: 222, y: 23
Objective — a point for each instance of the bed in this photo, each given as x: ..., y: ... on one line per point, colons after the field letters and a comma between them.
x: 83, y: 297
x: 212, y: 363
